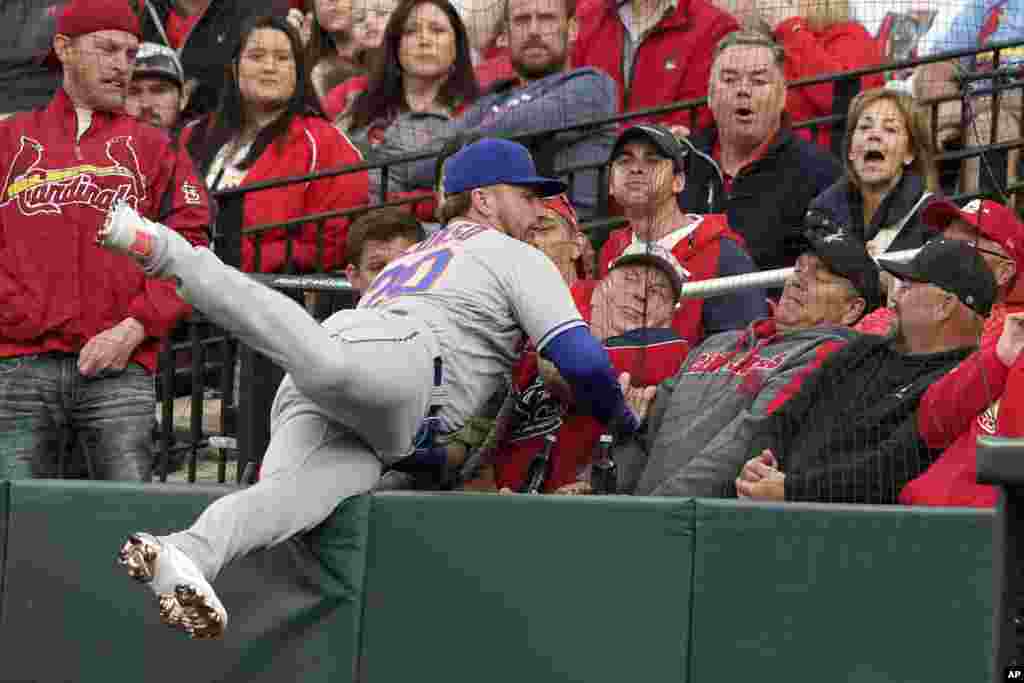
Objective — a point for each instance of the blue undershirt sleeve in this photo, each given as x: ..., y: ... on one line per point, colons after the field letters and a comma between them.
x: 583, y: 363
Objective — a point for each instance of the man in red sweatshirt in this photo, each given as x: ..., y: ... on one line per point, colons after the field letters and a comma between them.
x: 79, y: 326
x: 964, y: 404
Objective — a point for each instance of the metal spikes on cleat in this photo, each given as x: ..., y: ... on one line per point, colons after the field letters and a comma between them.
x: 138, y: 556
x: 201, y: 620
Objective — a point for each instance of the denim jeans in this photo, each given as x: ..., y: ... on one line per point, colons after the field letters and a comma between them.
x: 42, y: 396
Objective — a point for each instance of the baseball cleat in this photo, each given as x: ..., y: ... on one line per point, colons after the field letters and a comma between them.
x: 138, y: 557
x: 126, y: 232
x: 185, y: 598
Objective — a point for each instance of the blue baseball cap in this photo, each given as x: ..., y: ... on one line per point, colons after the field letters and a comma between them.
x: 493, y: 161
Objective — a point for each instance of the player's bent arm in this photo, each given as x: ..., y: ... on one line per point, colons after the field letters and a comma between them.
x: 585, y: 365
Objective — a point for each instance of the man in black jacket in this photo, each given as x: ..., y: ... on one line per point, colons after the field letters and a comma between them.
x: 750, y: 165
x: 849, y: 435
x: 203, y: 32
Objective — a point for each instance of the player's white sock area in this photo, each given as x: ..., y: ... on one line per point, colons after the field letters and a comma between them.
x: 186, y: 599
x: 151, y: 244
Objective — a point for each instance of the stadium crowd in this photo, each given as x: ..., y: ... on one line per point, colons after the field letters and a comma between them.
x: 840, y: 380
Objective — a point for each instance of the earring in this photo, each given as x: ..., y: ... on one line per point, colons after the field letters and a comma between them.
x: 908, y: 162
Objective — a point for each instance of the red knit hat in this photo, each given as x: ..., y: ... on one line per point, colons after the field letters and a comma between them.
x: 88, y: 16
x: 80, y: 17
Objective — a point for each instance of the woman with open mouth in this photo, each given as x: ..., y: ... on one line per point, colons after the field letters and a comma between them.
x: 889, y: 173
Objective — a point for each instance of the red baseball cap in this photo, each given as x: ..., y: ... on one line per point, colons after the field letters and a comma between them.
x: 561, y: 205
x: 993, y: 220
x: 80, y: 17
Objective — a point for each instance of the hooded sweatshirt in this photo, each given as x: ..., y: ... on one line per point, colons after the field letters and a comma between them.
x: 701, y: 420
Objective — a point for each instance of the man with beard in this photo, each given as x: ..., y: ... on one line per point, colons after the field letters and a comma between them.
x: 80, y: 327
x: 849, y: 435
x: 157, y: 94
x: 545, y: 94
x: 203, y: 33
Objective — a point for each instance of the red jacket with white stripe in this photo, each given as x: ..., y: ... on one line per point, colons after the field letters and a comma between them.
x: 311, y: 145
x: 955, y: 411
x: 700, y: 254
x: 58, y: 289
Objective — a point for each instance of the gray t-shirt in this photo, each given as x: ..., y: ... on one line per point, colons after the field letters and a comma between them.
x: 481, y: 292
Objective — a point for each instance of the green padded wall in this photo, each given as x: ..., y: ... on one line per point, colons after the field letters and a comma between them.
x: 294, y: 610
x: 470, y: 588
x: 841, y: 594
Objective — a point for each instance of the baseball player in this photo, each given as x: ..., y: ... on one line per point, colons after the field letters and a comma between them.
x: 440, y: 326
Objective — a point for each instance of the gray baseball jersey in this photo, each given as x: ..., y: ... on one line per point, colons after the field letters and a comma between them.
x: 480, y: 291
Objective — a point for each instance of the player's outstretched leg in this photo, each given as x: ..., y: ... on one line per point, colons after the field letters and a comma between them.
x: 261, y: 317
x: 186, y: 599
x: 313, y: 464
x: 367, y: 369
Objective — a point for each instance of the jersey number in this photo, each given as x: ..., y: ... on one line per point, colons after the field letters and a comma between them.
x: 408, y: 278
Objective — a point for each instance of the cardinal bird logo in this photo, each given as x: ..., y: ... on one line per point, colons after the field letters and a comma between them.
x: 41, y: 190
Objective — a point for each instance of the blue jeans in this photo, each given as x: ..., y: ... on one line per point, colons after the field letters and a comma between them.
x: 42, y: 396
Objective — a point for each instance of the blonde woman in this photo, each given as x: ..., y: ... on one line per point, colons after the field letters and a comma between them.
x: 889, y: 173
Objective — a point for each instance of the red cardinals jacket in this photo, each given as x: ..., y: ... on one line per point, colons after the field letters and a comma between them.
x: 700, y: 255
x: 955, y: 411
x: 58, y: 289
x: 672, y: 64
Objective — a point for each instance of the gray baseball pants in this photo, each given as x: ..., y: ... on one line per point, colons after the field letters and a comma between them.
x: 356, y: 390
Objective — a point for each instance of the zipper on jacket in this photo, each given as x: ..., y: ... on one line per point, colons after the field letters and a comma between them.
x: 80, y: 132
x: 627, y: 88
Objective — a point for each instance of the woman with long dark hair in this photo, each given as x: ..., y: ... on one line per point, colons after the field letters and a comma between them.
x: 424, y: 66
x: 269, y: 125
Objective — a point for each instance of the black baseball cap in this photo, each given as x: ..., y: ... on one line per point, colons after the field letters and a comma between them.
x: 952, y: 265
x: 661, y: 137
x: 845, y: 255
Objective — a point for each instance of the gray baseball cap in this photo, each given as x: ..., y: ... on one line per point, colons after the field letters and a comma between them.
x: 158, y: 61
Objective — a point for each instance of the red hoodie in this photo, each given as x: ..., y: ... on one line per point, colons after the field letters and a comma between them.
x: 311, y: 145
x: 953, y: 413
x: 698, y: 254
x: 840, y: 47
x: 58, y: 289
x: 672, y: 64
